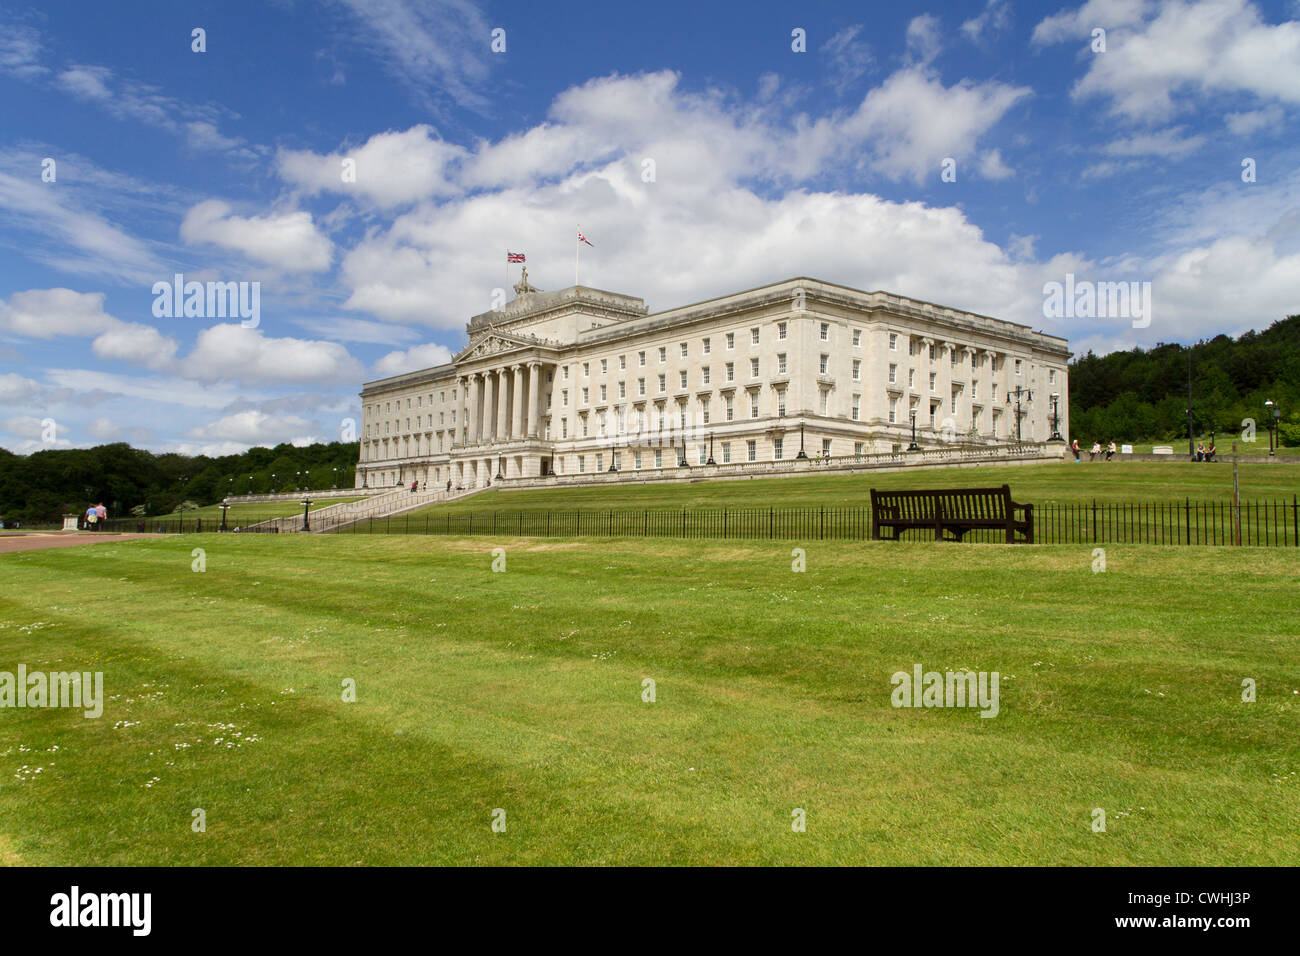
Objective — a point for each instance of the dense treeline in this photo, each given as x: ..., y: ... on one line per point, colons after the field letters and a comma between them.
x: 42, y: 486
x: 1141, y: 395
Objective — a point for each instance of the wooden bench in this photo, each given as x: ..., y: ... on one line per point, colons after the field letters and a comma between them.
x: 954, y: 511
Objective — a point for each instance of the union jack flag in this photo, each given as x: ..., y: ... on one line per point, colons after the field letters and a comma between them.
x: 515, y: 256
x: 582, y: 238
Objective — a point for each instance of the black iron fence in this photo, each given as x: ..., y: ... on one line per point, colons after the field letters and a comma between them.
x: 1259, y: 523
x: 1264, y: 523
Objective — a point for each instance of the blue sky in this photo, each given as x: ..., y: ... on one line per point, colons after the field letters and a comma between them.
x: 226, y: 165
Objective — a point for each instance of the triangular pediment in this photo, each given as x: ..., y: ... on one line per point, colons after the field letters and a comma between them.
x: 491, y: 343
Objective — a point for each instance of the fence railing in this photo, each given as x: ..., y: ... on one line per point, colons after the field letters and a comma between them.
x: 1263, y: 523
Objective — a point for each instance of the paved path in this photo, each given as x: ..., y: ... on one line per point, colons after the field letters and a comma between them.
x: 32, y: 542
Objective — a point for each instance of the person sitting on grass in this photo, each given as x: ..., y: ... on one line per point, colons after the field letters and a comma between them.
x: 1200, y: 452
x: 1094, y: 451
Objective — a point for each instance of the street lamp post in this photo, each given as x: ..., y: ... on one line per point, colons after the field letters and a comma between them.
x: 1056, y: 419
x: 683, y: 463
x: 802, y: 453
x: 306, y: 510
x: 336, y: 480
x: 1272, y: 413
x: 711, y: 461
x: 225, y: 506
x: 272, y: 482
x: 913, y: 446
x: 612, y: 467
x: 1019, y: 391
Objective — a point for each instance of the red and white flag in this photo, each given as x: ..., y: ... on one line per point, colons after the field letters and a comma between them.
x: 582, y: 238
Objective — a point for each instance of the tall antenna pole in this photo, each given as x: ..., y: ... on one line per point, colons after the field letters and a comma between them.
x: 577, y: 247
x: 1191, y: 438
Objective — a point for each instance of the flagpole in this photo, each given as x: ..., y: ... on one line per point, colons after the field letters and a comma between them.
x: 577, y: 247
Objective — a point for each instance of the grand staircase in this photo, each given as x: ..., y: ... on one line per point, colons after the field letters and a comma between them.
x: 334, y: 517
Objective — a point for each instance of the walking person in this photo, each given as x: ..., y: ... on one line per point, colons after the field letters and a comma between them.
x: 92, y: 517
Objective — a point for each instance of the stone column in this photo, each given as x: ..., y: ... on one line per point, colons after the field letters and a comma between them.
x: 503, y: 403
x: 471, y: 409
x: 487, y: 432
x: 534, y: 396
x: 517, y: 419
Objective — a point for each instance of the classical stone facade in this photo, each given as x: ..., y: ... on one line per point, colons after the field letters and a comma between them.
x: 582, y: 381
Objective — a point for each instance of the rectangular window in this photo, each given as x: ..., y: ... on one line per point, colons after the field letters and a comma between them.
x: 731, y: 408
x: 600, y: 462
x: 584, y: 395
x: 636, y: 460
x: 893, y: 409
x: 663, y: 383
x: 622, y: 363
x: 622, y: 389
x: 933, y: 378
x: 659, y: 458
x: 826, y: 331
x: 825, y: 400
x: 857, y: 338
x: 1051, y: 376
x: 663, y: 354
x: 780, y: 364
x: 604, y: 396
x: 778, y: 448
x: 731, y: 340
x: 682, y: 377
x: 704, y: 372
x: 826, y: 447
x: 782, y: 330
x: 731, y: 371
x: 685, y: 351
x: 582, y: 463
x: 707, y: 347
x: 753, y: 368
x: 893, y: 374
x: 893, y: 341
x: 857, y: 370
x: 931, y: 353
x: 1018, y: 364
x: 640, y: 358
x: 974, y: 389
x: 704, y: 454
x: 857, y: 403
x: 564, y: 398
x: 911, y: 378
x: 640, y: 386
x: 752, y: 450
x: 753, y: 405
x: 584, y: 426
x: 780, y: 401
x: 753, y: 335
x: 726, y: 453
x: 825, y: 363
x: 564, y: 431
x: 586, y: 369
x: 604, y: 366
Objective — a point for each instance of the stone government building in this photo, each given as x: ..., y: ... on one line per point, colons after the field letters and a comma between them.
x: 581, y: 380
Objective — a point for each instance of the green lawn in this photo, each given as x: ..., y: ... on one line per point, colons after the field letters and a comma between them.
x: 1038, y: 483
x: 522, y: 691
